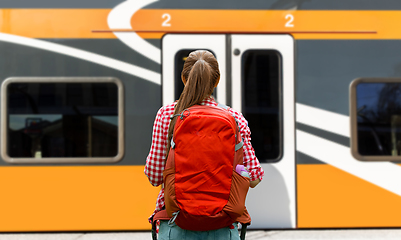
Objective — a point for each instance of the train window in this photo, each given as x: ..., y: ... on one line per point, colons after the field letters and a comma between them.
x: 179, y: 60
x: 376, y: 119
x: 57, y: 120
x: 261, y: 104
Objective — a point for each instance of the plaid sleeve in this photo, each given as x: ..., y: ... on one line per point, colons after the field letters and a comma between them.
x: 155, y: 161
x: 250, y: 160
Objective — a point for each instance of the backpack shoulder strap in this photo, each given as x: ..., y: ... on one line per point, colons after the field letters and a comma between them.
x: 241, y: 143
x: 222, y: 106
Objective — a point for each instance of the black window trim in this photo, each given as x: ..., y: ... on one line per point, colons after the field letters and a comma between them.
x: 4, y: 119
x: 280, y: 107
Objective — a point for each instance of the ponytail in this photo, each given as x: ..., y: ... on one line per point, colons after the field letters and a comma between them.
x: 200, y: 75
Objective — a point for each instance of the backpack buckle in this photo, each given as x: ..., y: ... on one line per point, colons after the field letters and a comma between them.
x: 183, y: 114
x: 172, y: 220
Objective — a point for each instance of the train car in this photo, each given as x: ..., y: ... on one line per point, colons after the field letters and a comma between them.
x: 318, y: 80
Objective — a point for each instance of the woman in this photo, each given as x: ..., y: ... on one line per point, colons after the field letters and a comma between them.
x: 200, y: 76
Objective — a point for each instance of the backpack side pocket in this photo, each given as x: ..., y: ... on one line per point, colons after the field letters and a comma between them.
x: 169, y: 191
x: 239, y: 189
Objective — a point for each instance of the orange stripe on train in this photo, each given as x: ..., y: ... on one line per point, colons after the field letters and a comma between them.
x: 331, y: 198
x: 81, y: 23
x: 385, y: 23
x: 55, y: 23
x: 76, y: 198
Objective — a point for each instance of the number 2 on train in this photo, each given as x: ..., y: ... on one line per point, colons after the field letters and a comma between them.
x: 290, y: 18
x: 167, y: 18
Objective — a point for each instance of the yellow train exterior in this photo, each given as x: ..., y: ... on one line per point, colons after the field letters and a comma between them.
x: 317, y: 80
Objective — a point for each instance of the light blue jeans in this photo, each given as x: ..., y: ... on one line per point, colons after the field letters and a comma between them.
x: 174, y: 232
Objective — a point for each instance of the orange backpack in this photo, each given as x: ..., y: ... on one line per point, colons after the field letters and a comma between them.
x: 202, y: 190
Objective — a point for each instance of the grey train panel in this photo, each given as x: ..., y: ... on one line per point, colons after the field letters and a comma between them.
x: 112, y: 48
x: 142, y: 98
x: 280, y: 4
x: 305, y: 159
x: 59, y: 3
x: 154, y: 42
x: 325, y: 69
x: 211, y: 4
x: 324, y: 134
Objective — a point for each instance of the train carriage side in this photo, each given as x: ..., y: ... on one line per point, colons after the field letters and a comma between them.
x: 318, y: 81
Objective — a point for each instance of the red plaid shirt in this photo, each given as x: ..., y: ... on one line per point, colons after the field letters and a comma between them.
x: 155, y: 161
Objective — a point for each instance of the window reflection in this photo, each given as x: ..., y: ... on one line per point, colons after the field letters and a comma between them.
x: 62, y: 120
x: 379, y: 118
x: 261, y: 102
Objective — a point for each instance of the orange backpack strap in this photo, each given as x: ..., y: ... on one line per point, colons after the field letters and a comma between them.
x: 244, y: 219
x: 161, y: 215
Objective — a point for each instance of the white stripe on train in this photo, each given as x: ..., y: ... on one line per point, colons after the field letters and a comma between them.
x: 143, y: 73
x: 120, y: 18
x: 386, y: 175
x: 323, y: 119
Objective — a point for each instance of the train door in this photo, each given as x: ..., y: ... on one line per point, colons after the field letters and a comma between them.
x: 257, y: 78
x: 262, y: 80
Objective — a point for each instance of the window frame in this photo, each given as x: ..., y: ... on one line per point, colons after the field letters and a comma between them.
x: 354, y: 120
x: 32, y: 160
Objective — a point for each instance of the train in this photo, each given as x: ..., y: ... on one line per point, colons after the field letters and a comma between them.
x: 81, y: 81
